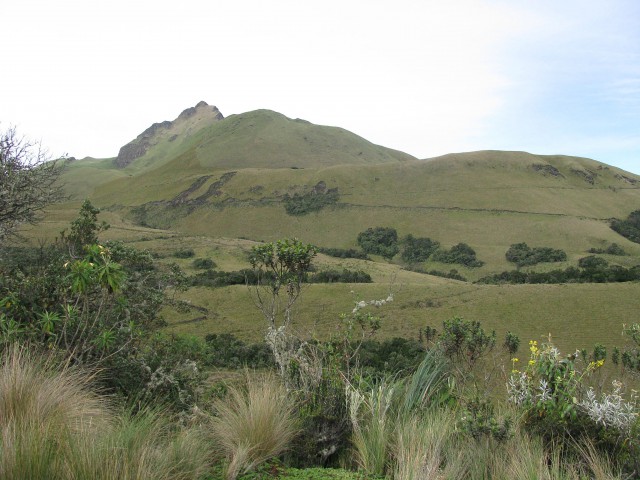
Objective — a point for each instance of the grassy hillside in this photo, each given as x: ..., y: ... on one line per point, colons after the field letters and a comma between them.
x: 207, y: 183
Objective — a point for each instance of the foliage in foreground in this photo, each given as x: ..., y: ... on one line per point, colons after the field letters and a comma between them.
x: 54, y: 427
x: 254, y: 423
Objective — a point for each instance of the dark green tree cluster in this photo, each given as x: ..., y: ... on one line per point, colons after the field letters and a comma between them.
x: 337, y: 276
x: 628, y: 228
x: 591, y: 269
x: 523, y: 255
x: 302, y: 204
x: 379, y: 241
x: 613, y: 249
x: 418, y: 249
x: 344, y: 253
x: 461, y: 254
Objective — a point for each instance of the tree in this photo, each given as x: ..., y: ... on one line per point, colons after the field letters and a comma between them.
x: 28, y: 181
x: 379, y: 241
x: 418, y: 249
x: 280, y: 266
x: 84, y: 229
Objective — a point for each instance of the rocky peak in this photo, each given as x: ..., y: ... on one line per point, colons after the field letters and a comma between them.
x: 138, y: 147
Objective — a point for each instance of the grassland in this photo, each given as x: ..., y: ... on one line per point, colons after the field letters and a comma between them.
x: 219, y: 186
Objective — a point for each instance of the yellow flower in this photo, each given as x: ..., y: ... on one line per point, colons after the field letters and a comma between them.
x: 514, y: 360
x: 532, y: 362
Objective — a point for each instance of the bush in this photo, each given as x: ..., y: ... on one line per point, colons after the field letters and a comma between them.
x: 184, y: 253
x: 310, y: 202
x: 418, y: 249
x: 344, y: 253
x: 522, y: 255
x: 391, y: 356
x: 379, y: 241
x: 629, y: 228
x: 461, y: 254
x: 452, y: 274
x: 613, y: 249
x: 204, y: 264
x: 593, y: 270
x: 335, y: 276
x: 212, y: 278
x: 227, y: 351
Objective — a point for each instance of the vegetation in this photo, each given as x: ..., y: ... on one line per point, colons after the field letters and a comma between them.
x: 424, y: 404
x: 204, y: 264
x: 629, y: 227
x: 613, y: 249
x: 344, y: 253
x: 523, y: 255
x: 28, y: 181
x: 344, y: 276
x: 301, y: 204
x: 591, y: 269
x: 253, y: 424
x: 418, y: 249
x: 379, y: 241
x: 461, y: 254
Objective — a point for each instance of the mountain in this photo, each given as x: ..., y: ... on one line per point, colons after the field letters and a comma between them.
x: 218, y: 185
x: 193, y: 118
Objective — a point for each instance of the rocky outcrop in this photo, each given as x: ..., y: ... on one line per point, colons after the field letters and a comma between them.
x: 138, y: 147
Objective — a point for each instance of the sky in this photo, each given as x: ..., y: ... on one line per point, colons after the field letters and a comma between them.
x: 425, y: 77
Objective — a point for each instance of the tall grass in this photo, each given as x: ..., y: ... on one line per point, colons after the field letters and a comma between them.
x: 420, y: 445
x: 253, y: 423
x: 42, y: 413
x: 53, y: 427
x: 384, y: 418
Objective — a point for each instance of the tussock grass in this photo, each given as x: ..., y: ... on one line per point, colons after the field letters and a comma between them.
x: 253, y: 423
x: 54, y: 427
x: 373, y: 421
x: 420, y: 445
x: 43, y: 412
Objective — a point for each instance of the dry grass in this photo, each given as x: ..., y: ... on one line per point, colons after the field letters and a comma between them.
x: 54, y: 427
x: 253, y: 423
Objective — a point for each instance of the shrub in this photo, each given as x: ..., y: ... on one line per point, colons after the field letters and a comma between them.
x: 225, y: 350
x: 310, y: 202
x: 418, y: 249
x: 452, y: 274
x: 461, y: 254
x: 344, y: 253
x: 184, y: 253
x: 253, y: 423
x: 335, y: 276
x: 379, y: 241
x: 522, y: 255
x: 204, y: 264
x: 613, y: 249
x: 628, y: 228
x: 392, y: 356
